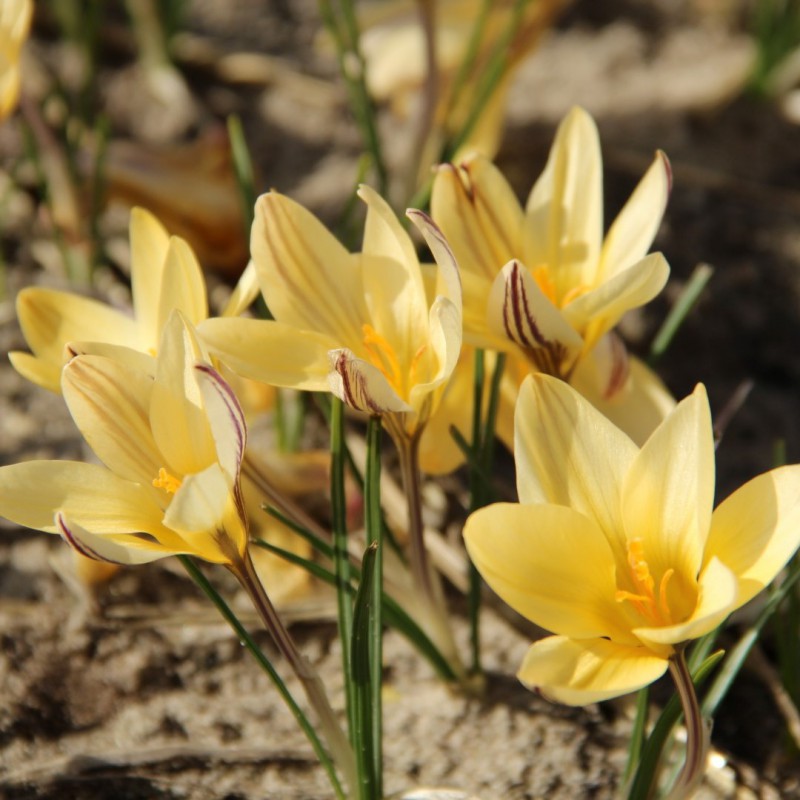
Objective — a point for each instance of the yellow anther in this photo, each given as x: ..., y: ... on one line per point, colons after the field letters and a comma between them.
x: 542, y: 276
x: 656, y: 611
x: 383, y: 356
x: 169, y: 483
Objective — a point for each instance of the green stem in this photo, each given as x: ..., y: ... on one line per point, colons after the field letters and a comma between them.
x: 696, y: 729
x: 374, y: 527
x: 338, y: 745
x: 341, y: 557
x: 475, y: 581
x: 241, y: 632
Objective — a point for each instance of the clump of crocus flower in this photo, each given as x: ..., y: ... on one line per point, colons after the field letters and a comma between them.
x: 616, y: 549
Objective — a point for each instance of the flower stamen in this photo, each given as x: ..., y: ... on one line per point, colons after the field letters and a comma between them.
x: 656, y: 611
x: 169, y: 483
x: 383, y: 356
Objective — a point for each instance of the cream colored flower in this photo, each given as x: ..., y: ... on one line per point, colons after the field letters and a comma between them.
x: 357, y: 324
x: 615, y: 549
x: 554, y: 285
x: 542, y: 284
x: 171, y: 445
x: 15, y: 22
x: 165, y: 276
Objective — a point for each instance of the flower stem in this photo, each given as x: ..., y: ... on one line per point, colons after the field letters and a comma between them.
x: 426, y: 579
x: 696, y: 729
x: 244, y: 636
x: 374, y: 526
x: 338, y: 744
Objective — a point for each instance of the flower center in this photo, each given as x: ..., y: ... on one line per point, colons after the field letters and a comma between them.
x: 169, y: 483
x: 383, y: 356
x: 654, y: 609
x: 541, y: 275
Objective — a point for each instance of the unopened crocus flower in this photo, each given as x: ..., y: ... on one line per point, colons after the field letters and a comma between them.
x: 542, y: 283
x: 357, y: 324
x: 616, y: 550
x: 15, y: 22
x: 170, y: 446
x: 165, y: 276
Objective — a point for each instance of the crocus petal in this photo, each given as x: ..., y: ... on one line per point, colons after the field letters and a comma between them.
x: 177, y: 417
x: 445, y: 342
x: 105, y: 548
x: 438, y: 452
x: 134, y: 360
x: 448, y: 277
x: 527, y: 554
x: 111, y: 406
x: 308, y: 278
x: 199, y: 504
x: 182, y: 286
x: 568, y: 453
x: 272, y: 352
x: 668, y: 492
x: 361, y: 385
x: 634, y: 229
x: 565, y: 208
x: 476, y: 328
x: 15, y: 21
x: 716, y: 598
x: 519, y: 309
x: 207, y: 517
x: 149, y: 243
x: 244, y: 293
x: 385, y: 236
x: 603, y: 307
x: 756, y: 530
x: 637, y: 406
x: 87, y: 494
x: 479, y: 215
x: 581, y: 672
x: 226, y: 418
x: 46, y: 374
x: 50, y: 318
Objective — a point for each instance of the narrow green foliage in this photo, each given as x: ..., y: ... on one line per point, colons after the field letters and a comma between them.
x: 361, y: 658
x: 647, y: 771
x: 340, y: 21
x: 689, y: 296
x: 481, y: 460
x: 244, y: 637
x: 243, y: 170
x: 491, y: 77
x: 739, y: 652
x: 638, y: 732
x: 394, y: 614
x: 776, y: 30
x: 468, y: 63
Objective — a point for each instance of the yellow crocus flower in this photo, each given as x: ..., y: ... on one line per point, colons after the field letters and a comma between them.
x: 542, y: 284
x: 356, y: 324
x: 165, y: 275
x: 15, y: 22
x: 171, y: 446
x: 615, y: 549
